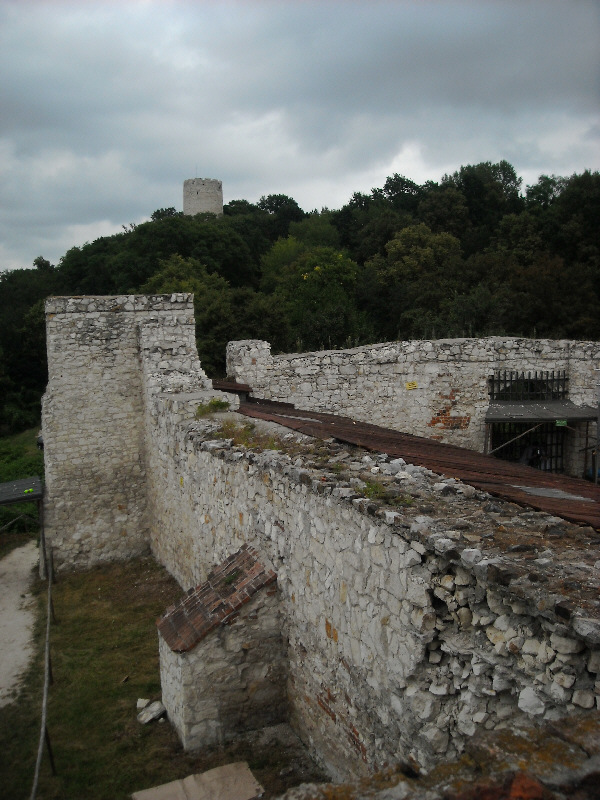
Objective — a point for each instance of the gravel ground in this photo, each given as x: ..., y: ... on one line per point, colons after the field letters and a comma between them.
x: 17, y: 615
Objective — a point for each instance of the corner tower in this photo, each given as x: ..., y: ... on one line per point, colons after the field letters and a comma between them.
x: 202, y: 195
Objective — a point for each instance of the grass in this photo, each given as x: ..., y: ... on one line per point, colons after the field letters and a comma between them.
x: 373, y: 490
x: 212, y: 407
x: 248, y: 436
x: 19, y: 458
x: 104, y: 657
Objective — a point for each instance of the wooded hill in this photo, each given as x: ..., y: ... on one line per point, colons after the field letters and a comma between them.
x: 470, y: 255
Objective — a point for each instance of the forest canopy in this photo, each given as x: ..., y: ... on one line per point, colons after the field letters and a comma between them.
x: 474, y: 254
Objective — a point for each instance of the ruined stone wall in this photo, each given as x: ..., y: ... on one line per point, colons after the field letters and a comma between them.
x: 93, y: 416
x: 437, y: 389
x: 409, y: 627
x: 232, y: 681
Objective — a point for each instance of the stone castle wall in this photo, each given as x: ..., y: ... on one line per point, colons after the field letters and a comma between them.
x: 438, y: 389
x: 93, y: 416
x: 408, y: 627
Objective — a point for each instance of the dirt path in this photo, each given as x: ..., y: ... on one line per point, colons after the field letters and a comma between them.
x: 16, y: 617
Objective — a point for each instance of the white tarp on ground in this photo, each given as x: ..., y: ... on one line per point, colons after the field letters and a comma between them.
x: 230, y: 782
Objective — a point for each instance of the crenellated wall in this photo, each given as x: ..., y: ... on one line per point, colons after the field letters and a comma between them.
x: 409, y: 626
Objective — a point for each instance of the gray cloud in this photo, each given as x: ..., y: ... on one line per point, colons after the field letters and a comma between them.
x: 107, y: 107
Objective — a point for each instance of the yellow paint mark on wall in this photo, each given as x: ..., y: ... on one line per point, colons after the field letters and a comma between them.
x: 411, y: 385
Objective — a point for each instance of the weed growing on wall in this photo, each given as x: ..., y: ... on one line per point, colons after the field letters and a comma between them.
x: 212, y: 407
x: 246, y: 435
x: 374, y: 490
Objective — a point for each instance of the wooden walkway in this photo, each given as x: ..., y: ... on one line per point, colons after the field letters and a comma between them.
x: 572, y: 499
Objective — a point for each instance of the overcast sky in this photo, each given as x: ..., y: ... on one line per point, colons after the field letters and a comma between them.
x: 106, y: 107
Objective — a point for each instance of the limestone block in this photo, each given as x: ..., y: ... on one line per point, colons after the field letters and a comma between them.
x: 565, y: 645
x: 530, y: 702
x: 593, y: 664
x: 583, y: 698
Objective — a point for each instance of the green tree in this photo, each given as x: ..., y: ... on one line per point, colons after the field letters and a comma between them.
x: 419, y: 271
x: 402, y: 193
x: 282, y: 210
x: 163, y: 213
x: 490, y: 192
x: 316, y: 230
x: 318, y: 293
x: 22, y: 343
x: 542, y: 194
x: 444, y: 209
x: 278, y: 261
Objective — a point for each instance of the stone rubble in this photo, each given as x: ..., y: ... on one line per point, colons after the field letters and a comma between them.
x: 150, y: 712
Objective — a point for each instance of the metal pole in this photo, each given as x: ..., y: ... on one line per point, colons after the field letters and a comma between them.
x: 44, y: 730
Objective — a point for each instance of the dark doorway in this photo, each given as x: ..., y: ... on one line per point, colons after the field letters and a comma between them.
x: 542, y: 447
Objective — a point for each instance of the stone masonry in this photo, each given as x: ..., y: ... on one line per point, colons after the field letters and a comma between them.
x: 437, y: 389
x: 411, y: 622
x: 93, y: 416
x: 411, y: 625
x: 223, y: 662
x: 202, y: 195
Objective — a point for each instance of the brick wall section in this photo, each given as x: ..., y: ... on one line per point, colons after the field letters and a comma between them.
x: 227, y: 588
x: 445, y: 418
x: 437, y: 389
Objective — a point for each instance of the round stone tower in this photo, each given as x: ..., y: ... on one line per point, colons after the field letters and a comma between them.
x: 201, y: 195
